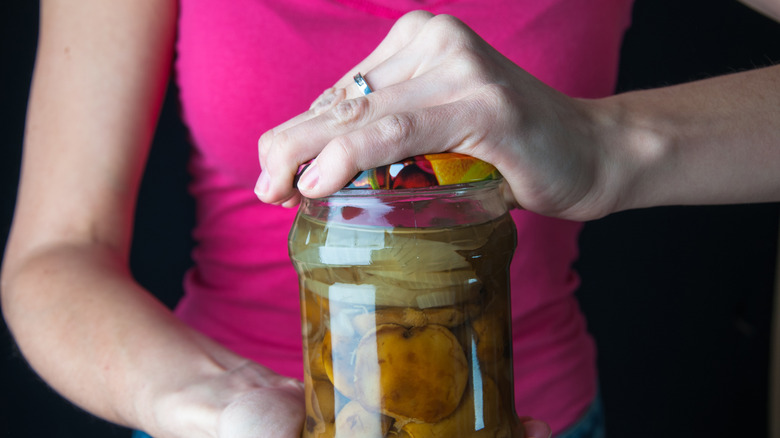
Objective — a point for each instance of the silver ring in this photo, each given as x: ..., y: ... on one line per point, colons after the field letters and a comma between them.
x: 362, y: 84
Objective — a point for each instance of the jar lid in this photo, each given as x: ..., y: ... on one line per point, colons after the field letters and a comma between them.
x: 422, y: 171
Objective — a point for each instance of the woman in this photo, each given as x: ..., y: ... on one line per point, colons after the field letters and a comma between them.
x: 243, y: 67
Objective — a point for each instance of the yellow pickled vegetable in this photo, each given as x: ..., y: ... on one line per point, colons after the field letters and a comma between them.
x: 417, y: 373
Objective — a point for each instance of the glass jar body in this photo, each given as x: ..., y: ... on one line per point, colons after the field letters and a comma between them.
x: 405, y: 312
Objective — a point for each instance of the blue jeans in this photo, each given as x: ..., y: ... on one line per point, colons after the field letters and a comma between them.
x: 591, y: 425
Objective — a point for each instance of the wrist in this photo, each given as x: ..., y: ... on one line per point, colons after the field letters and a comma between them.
x: 196, y: 405
x: 634, y: 149
x: 179, y: 402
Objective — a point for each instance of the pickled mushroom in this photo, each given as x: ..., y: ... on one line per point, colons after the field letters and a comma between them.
x: 475, y: 416
x: 417, y: 373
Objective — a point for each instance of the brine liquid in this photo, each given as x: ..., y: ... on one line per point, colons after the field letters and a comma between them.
x: 406, y: 331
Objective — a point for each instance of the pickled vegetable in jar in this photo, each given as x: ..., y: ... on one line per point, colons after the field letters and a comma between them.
x: 405, y: 303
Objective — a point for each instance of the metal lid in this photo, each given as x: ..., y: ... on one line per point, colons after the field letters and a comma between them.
x: 421, y: 171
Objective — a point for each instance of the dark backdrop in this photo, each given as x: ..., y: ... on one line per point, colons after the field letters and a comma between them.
x: 678, y: 298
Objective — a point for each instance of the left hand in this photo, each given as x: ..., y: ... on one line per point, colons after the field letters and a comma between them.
x: 439, y: 87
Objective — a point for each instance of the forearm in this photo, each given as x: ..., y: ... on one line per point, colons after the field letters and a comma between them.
x: 100, y: 340
x: 714, y: 141
x: 84, y: 325
x: 770, y: 8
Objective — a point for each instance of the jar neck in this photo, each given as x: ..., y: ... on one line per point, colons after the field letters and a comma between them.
x: 435, y: 207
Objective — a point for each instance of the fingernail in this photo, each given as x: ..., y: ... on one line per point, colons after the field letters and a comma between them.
x: 310, y: 177
x: 261, y: 188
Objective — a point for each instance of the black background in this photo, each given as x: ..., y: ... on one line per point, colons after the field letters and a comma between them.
x: 678, y: 298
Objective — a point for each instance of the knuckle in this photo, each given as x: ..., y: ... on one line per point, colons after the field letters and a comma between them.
x: 499, y: 95
x: 446, y: 23
x: 264, y: 142
x: 272, y: 147
x: 351, y: 111
x: 444, y: 30
x: 446, y: 35
x: 340, y: 151
x: 498, y: 109
x: 414, y: 20
x: 471, y: 65
x: 395, y: 128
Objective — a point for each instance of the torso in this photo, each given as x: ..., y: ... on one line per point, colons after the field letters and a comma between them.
x: 245, y: 66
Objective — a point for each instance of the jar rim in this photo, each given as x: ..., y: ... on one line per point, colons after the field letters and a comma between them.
x: 421, y: 172
x: 455, y: 190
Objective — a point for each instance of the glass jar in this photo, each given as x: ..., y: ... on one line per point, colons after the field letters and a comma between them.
x: 405, y: 303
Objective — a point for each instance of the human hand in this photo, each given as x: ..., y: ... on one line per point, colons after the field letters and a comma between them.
x: 248, y: 401
x: 439, y: 87
x: 535, y: 428
x: 264, y: 412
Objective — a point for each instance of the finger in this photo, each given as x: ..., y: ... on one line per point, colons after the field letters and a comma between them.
x: 416, y: 76
x: 400, y: 35
x: 441, y: 43
x: 403, y: 31
x: 293, y: 201
x: 327, y: 100
x: 404, y: 83
x: 283, y: 152
x: 536, y: 429
x: 435, y: 39
x: 437, y: 87
x: 289, y: 199
x: 392, y: 138
x: 305, y: 135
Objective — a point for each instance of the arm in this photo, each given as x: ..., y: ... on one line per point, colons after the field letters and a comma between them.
x: 770, y: 8
x: 79, y: 318
x: 713, y: 141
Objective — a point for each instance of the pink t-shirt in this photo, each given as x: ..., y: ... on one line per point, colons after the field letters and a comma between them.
x: 245, y: 66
